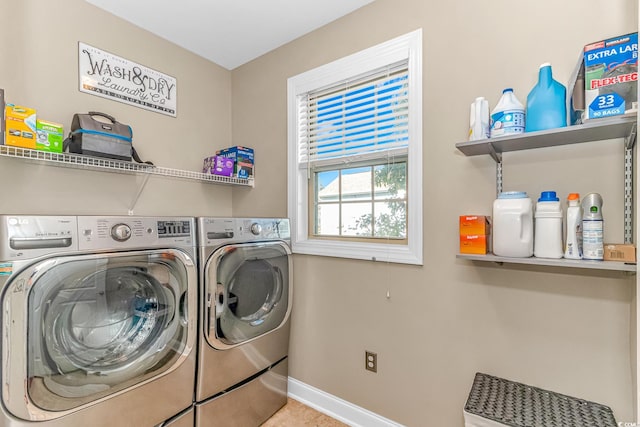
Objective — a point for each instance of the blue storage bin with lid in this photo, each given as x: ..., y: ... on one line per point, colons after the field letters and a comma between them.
x: 546, y: 103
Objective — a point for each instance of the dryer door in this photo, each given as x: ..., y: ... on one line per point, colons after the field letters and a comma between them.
x: 95, y: 325
x: 249, y: 293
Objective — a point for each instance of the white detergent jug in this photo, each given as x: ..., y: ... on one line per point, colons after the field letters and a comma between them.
x: 513, y: 225
x: 548, y: 231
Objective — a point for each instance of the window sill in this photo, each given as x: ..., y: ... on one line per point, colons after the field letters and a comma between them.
x: 377, y: 252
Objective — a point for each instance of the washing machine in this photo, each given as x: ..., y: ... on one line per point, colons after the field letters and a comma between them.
x: 98, y: 320
x: 245, y: 305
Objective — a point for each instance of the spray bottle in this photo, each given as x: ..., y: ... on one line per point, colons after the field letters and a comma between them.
x: 592, y: 227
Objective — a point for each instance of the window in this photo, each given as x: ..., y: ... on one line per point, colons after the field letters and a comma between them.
x: 366, y: 202
x: 355, y: 154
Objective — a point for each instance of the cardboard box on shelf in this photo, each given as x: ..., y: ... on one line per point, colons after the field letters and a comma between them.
x: 243, y: 158
x: 611, y: 76
x: 20, y: 125
x: 218, y: 165
x: 619, y: 252
x: 474, y: 224
x: 49, y: 136
x: 475, y: 234
x: 475, y: 244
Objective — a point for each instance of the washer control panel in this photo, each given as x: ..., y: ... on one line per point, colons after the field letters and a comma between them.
x: 134, y: 232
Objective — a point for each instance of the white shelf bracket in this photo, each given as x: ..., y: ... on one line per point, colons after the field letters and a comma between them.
x: 143, y: 184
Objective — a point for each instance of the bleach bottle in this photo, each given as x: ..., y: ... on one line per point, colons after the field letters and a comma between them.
x: 546, y: 103
x: 508, y: 116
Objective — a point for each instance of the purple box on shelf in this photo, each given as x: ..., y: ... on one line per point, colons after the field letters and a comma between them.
x: 223, y: 166
x: 218, y: 165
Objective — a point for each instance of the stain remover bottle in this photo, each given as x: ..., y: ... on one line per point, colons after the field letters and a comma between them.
x: 592, y: 227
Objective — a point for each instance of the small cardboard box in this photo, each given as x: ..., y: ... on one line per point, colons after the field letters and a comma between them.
x: 474, y: 224
x: 238, y: 153
x: 620, y: 252
x: 223, y: 166
x: 611, y: 76
x: 243, y: 158
x: 50, y: 136
x: 207, y: 164
x: 218, y: 165
x: 21, y: 126
x: 244, y: 170
x: 475, y: 244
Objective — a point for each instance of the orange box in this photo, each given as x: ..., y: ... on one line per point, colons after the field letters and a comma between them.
x: 474, y: 225
x: 474, y: 244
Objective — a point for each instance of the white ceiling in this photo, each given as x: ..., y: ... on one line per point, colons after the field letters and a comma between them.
x: 230, y: 32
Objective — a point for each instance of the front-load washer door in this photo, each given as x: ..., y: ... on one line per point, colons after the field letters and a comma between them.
x: 95, y: 326
x: 248, y: 292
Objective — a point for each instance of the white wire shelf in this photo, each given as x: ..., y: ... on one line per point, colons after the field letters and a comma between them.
x: 77, y: 161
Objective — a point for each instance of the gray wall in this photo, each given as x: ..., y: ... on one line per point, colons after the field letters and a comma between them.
x: 39, y: 69
x: 568, y: 331
x: 563, y: 330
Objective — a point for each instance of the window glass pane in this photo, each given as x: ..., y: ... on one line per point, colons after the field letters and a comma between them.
x: 391, y: 219
x: 364, y: 201
x: 328, y: 220
x: 356, y: 219
x: 356, y: 184
x: 327, y: 186
x: 390, y: 181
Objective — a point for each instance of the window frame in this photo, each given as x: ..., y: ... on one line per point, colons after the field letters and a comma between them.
x: 406, y: 47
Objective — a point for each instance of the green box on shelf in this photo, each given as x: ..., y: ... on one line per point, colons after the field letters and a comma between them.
x: 50, y: 136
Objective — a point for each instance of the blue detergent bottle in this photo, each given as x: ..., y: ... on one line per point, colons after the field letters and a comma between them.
x: 546, y: 103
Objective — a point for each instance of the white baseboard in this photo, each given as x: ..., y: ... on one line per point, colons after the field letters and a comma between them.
x: 335, y: 407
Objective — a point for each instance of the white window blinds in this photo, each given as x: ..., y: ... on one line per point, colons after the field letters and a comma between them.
x: 359, y: 119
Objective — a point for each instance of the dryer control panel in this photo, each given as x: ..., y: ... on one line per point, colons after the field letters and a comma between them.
x: 217, y: 231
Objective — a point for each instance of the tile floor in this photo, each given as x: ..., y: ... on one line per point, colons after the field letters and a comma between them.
x: 295, y: 414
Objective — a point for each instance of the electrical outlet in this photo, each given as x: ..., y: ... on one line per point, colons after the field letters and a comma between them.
x: 370, y: 361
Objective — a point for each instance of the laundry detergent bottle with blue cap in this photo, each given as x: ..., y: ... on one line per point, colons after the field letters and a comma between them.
x: 547, y: 241
x: 546, y: 103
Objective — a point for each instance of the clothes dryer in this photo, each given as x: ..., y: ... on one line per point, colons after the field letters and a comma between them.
x: 96, y: 322
x: 246, y: 295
